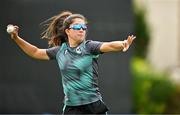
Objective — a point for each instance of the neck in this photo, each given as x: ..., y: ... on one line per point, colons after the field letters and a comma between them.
x: 73, y: 43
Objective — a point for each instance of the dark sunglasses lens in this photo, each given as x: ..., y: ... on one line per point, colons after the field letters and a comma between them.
x: 78, y: 27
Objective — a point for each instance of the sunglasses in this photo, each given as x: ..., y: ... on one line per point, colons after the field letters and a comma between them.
x: 78, y: 27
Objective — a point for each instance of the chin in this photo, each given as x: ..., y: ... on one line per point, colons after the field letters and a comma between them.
x: 81, y: 39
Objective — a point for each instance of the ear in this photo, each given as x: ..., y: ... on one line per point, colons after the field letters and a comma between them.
x: 67, y: 31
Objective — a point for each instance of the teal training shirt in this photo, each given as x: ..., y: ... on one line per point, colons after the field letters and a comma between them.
x: 79, y: 71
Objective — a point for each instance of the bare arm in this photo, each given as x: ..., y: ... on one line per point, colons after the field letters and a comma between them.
x: 28, y: 48
x: 117, y: 45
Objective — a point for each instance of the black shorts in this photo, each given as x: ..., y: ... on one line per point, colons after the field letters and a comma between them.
x: 97, y: 107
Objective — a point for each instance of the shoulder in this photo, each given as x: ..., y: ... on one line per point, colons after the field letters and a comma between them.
x: 56, y: 48
x: 53, y: 51
x: 93, y: 46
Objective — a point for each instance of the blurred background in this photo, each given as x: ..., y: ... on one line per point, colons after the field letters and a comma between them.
x: 143, y: 80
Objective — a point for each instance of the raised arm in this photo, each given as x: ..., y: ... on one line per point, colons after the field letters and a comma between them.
x: 28, y: 48
x: 117, y: 45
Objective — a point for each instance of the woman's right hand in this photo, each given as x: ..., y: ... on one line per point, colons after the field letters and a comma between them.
x: 15, y: 32
x: 28, y: 48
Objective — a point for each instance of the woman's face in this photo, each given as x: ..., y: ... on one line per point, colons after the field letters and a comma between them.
x: 77, y: 30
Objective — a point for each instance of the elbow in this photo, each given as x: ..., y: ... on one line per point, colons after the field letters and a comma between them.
x: 34, y: 52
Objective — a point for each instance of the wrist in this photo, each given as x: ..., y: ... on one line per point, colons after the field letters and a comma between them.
x: 14, y: 36
x: 124, y: 43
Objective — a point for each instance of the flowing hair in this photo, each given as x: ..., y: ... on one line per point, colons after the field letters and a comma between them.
x: 54, y: 31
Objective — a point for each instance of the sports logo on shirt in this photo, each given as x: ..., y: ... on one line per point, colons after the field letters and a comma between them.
x: 78, y: 50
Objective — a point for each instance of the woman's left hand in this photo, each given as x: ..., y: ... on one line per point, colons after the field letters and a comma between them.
x: 128, y: 42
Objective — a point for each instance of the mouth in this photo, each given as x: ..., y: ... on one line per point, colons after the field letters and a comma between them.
x: 80, y: 34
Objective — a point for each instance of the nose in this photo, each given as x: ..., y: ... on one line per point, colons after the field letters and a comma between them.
x: 81, y: 30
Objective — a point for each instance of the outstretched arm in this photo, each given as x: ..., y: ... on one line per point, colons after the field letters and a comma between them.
x: 117, y: 45
x: 28, y: 48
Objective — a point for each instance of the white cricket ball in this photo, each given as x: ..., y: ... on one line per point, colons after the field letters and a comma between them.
x: 10, y: 28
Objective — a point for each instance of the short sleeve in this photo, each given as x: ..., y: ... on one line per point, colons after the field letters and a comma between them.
x: 51, y: 52
x: 94, y: 47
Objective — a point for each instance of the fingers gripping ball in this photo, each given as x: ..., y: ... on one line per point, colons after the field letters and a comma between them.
x: 10, y: 29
